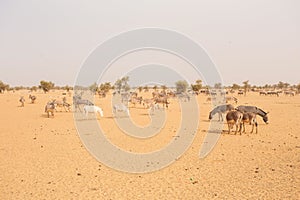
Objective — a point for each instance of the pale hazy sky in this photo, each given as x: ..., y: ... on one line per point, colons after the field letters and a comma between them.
x: 256, y: 40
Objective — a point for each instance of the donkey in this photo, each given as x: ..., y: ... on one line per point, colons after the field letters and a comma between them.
x: 255, y: 110
x: 92, y: 109
x: 148, y: 102
x: 220, y: 110
x: 250, y: 118
x: 134, y: 100
x: 162, y: 100
x: 22, y: 100
x: 49, y: 108
x: 289, y: 93
x: 120, y: 108
x: 273, y: 93
x: 263, y: 93
x: 234, y: 117
x: 64, y: 104
x: 183, y: 96
x: 77, y: 101
x: 32, y: 98
x: 240, y: 92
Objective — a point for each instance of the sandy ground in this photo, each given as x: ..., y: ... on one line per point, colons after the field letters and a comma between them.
x: 43, y: 158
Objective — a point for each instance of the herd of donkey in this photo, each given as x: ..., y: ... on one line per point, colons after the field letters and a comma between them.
x: 235, y: 116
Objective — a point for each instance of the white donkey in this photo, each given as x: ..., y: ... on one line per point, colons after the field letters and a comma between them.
x: 120, y: 108
x: 92, y: 109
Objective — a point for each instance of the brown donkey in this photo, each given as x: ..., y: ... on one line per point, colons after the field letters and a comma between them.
x: 234, y: 118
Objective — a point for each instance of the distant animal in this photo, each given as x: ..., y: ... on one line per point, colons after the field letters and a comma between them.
x: 50, y: 108
x: 211, y: 99
x: 134, y: 100
x: 240, y: 92
x: 263, y: 93
x: 62, y: 104
x: 234, y: 99
x: 153, y: 107
x: 22, y: 100
x: 183, y: 96
x: 92, y: 109
x: 120, y: 108
x: 32, y: 98
x: 273, y: 93
x: 159, y: 94
x: 148, y: 102
x: 102, y: 94
x: 234, y: 117
x: 289, y: 93
x: 255, y: 110
x: 222, y: 109
x: 133, y: 94
x: 77, y: 101
x: 171, y: 94
x: 162, y: 100
x: 249, y: 118
x: 213, y: 93
x: 125, y: 97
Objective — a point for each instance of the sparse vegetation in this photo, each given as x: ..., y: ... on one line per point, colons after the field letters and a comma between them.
x: 122, y: 84
x: 181, y: 86
x: 298, y: 88
x: 140, y: 88
x: 46, y: 86
x: 3, y: 87
x: 197, y: 86
x: 105, y: 87
x: 235, y: 86
x: 218, y: 86
x: 146, y: 88
x: 246, y: 86
x: 93, y: 87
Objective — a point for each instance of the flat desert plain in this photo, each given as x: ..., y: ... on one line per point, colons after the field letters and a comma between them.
x: 44, y: 158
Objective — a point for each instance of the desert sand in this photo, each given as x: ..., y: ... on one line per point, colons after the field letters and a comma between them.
x: 44, y: 158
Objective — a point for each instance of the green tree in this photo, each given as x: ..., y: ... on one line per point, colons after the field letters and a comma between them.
x: 155, y: 87
x: 246, y: 86
x: 105, y: 87
x: 280, y: 85
x: 34, y: 88
x: 3, y: 87
x: 140, y: 88
x: 197, y: 86
x: 199, y: 83
x: 286, y: 85
x: 298, y: 88
x: 235, y: 86
x: 122, y: 84
x: 46, y: 86
x: 146, y: 88
x: 181, y: 86
x: 118, y: 85
x: 93, y: 87
x: 68, y: 88
x: 218, y: 85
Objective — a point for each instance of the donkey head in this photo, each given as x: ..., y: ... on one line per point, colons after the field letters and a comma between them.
x: 266, y: 119
x: 210, y: 116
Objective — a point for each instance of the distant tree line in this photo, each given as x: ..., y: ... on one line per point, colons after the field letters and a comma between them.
x: 122, y: 84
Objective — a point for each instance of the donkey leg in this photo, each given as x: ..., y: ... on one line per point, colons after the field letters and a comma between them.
x: 228, y: 128
x: 252, y: 128
x: 256, y: 125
